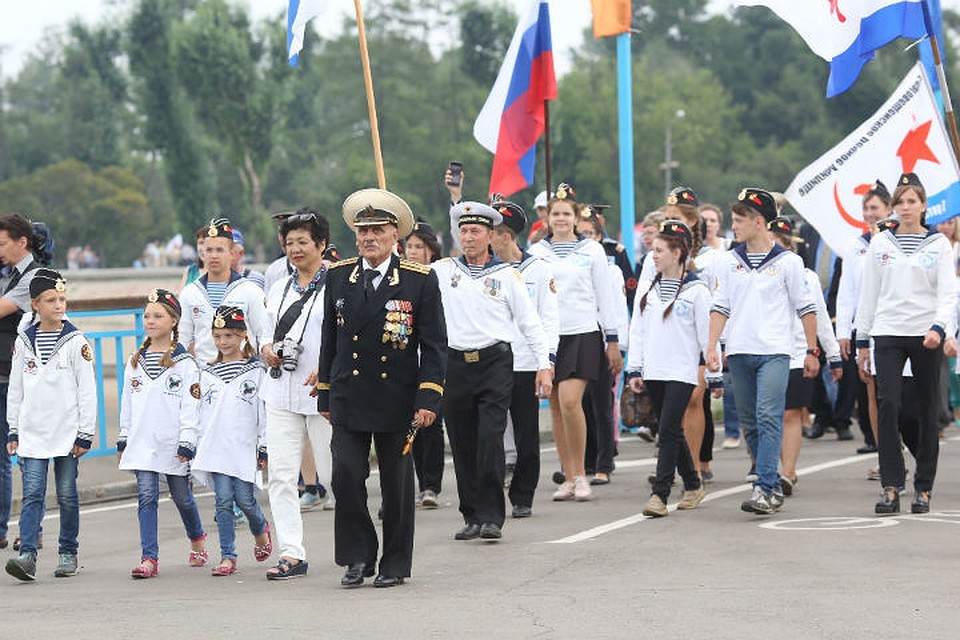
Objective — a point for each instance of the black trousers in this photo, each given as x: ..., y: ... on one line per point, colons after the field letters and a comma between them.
x: 525, y: 414
x: 706, y: 447
x: 598, y: 402
x: 891, y: 352
x: 475, y: 406
x: 670, y: 400
x: 428, y: 457
x: 355, y: 536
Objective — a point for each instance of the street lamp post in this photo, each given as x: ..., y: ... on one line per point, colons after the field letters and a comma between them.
x: 669, y: 164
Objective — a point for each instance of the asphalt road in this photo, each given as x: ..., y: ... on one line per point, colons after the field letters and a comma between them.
x: 824, y: 567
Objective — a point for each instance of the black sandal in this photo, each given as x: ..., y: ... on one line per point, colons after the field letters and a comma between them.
x: 285, y: 570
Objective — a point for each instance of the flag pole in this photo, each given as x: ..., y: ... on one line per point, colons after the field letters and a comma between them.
x: 546, y: 144
x: 625, y: 120
x: 945, y: 89
x: 371, y: 100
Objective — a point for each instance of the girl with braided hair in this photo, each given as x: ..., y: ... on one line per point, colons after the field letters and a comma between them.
x: 159, y: 416
x: 668, y: 336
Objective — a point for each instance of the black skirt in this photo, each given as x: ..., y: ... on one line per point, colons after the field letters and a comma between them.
x: 580, y: 356
x: 799, y: 390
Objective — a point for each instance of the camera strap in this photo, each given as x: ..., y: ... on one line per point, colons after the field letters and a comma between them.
x: 293, y: 312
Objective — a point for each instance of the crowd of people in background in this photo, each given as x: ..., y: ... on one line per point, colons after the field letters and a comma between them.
x: 298, y: 370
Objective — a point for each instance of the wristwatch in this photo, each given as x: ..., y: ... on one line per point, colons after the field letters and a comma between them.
x: 815, y: 352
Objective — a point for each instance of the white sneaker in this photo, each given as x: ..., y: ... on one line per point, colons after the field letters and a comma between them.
x: 310, y: 501
x: 730, y: 443
x: 581, y: 489
x: 564, y: 492
x: 692, y: 498
x: 655, y: 508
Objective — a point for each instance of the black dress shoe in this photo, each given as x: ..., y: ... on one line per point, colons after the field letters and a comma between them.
x: 469, y: 532
x: 355, y: 573
x: 843, y: 433
x: 382, y: 582
x: 921, y: 503
x: 522, y: 511
x: 867, y: 448
x: 490, y: 531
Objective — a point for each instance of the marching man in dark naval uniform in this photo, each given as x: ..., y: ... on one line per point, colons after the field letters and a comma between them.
x: 485, y: 303
x: 381, y: 373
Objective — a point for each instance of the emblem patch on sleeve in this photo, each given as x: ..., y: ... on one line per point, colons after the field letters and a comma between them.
x: 195, y: 390
x: 85, y: 352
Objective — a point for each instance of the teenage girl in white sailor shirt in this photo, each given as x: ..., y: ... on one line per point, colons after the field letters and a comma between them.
x: 668, y: 335
x: 683, y: 204
x: 581, y: 276
x: 233, y: 449
x: 908, y: 306
x: 159, y: 428
x: 799, y: 388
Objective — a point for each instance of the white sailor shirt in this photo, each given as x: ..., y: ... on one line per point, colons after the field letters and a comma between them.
x: 196, y: 323
x: 851, y: 279
x: 760, y: 303
x: 159, y: 415
x: 52, y: 406
x: 582, y: 281
x: 538, y: 278
x: 907, y: 295
x: 484, y: 309
x: 232, y: 422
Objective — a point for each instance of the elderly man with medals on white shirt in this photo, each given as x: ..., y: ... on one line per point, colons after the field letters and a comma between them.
x: 485, y: 301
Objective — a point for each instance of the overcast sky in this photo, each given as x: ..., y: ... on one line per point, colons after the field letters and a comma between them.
x: 25, y: 21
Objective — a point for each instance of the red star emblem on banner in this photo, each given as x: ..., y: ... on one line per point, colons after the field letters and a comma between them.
x: 914, y: 148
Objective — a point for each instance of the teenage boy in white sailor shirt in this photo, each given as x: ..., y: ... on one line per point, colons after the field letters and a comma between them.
x: 760, y: 286
x: 524, y: 436
x: 483, y: 299
x: 220, y: 286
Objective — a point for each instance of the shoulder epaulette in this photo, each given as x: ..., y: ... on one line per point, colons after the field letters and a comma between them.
x: 344, y: 263
x: 409, y: 265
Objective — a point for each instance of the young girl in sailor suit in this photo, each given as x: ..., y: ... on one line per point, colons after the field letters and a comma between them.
x: 159, y: 425
x: 908, y: 306
x: 668, y: 335
x: 233, y: 448
x: 582, y: 280
x: 799, y: 388
x: 52, y: 411
x: 683, y: 204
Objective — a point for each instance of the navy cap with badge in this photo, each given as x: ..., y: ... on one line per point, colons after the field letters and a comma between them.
x: 513, y: 216
x: 228, y: 317
x: 759, y: 200
x: 220, y: 228
x: 475, y: 213
x: 676, y: 229
x: 166, y: 298
x: 909, y: 180
x: 423, y: 228
x: 45, y: 280
x: 683, y: 195
x: 880, y: 190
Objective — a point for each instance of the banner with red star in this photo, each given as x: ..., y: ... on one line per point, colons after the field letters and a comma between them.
x: 905, y: 135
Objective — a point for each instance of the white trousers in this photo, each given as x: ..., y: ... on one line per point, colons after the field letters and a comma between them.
x: 287, y: 433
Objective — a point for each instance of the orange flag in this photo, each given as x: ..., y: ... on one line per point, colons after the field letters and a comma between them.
x: 610, y: 17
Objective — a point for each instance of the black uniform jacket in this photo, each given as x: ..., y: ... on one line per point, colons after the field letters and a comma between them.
x: 381, y: 359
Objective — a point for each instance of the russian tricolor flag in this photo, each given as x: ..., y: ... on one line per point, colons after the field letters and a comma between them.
x: 512, y: 119
x: 846, y: 33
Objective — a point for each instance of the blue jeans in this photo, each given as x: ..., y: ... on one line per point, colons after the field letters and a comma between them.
x: 761, y: 390
x: 731, y: 421
x: 148, y: 495
x: 34, y: 472
x: 6, y: 472
x: 230, y: 490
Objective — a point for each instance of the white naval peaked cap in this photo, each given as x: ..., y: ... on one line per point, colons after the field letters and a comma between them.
x: 374, y: 207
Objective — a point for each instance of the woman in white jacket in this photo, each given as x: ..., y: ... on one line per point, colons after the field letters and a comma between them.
x: 907, y: 305
x: 159, y: 428
x: 668, y: 335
